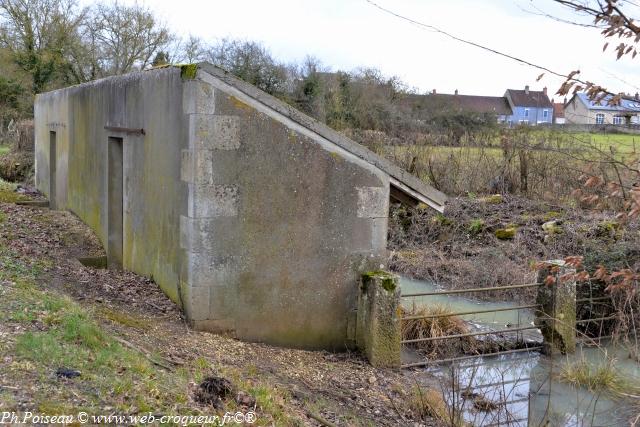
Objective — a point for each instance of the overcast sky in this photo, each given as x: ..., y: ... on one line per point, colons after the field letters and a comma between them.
x: 345, y: 34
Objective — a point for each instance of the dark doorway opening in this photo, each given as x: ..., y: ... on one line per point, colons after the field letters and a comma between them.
x: 115, y: 203
x: 52, y: 170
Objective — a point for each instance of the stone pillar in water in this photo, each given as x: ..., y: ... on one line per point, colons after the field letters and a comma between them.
x: 378, y: 333
x: 556, y: 316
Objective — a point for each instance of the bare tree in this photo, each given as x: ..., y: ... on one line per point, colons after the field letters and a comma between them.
x: 126, y: 38
x: 192, y: 50
x: 251, y: 62
x: 38, y: 34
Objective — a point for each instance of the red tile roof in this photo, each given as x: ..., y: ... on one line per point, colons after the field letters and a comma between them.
x: 479, y: 104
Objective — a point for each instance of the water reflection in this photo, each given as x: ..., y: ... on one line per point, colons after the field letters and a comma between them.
x: 523, y: 389
x: 517, y: 390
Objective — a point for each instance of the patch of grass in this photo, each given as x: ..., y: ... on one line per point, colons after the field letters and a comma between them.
x: 124, y: 319
x: 476, y: 227
x: 8, y: 193
x: 4, y: 149
x: 269, y: 400
x: 596, y: 377
x: 442, y: 220
x: 79, y: 343
x: 73, y: 339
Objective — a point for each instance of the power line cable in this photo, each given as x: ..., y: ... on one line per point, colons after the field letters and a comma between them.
x: 488, y: 49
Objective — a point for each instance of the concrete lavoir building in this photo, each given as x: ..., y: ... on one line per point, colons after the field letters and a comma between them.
x: 255, y: 218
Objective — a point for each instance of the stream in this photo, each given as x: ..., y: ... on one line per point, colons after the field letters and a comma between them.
x: 520, y: 389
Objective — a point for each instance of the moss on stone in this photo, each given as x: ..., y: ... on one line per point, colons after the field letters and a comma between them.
x: 506, y: 233
x: 552, y: 227
x: 494, y: 199
x: 548, y: 216
x: 387, y: 280
x: 188, y: 71
x: 609, y: 229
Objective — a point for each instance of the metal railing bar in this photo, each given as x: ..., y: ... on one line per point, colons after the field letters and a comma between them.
x: 590, y: 340
x: 470, y: 334
x: 508, y: 422
x: 475, y: 356
x: 464, y: 313
x: 464, y: 291
x: 476, y: 365
x: 593, y: 299
x: 597, y: 319
x: 500, y: 383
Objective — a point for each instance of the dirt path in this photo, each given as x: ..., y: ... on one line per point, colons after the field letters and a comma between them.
x: 289, y: 386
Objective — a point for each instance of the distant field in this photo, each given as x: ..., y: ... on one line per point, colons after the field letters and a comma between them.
x: 623, y: 142
x: 4, y: 149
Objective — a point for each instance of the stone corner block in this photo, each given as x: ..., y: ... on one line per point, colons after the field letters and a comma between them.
x: 196, y: 302
x: 214, y: 132
x: 373, y: 202
x: 198, y: 97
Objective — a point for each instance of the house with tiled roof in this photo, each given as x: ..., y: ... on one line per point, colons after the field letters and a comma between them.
x: 530, y: 107
x: 496, y: 105
x: 582, y: 110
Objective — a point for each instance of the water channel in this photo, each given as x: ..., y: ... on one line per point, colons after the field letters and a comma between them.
x: 522, y: 389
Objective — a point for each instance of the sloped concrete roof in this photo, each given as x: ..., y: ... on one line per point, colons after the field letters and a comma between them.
x: 405, y: 186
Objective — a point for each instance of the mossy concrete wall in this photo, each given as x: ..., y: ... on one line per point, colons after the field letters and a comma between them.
x: 379, y: 333
x: 556, y: 316
x: 256, y: 219
x: 154, y: 197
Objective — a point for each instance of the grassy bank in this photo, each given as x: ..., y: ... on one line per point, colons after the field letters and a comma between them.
x: 134, y: 354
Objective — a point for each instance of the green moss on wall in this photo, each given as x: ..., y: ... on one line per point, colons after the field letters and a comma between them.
x: 387, y: 279
x: 188, y: 71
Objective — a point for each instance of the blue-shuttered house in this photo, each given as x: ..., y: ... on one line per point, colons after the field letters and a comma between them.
x: 530, y: 107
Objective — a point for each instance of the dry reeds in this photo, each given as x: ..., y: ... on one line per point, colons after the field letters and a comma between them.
x: 442, y: 325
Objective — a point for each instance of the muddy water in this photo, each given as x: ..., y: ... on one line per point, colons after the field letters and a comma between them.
x: 523, y: 389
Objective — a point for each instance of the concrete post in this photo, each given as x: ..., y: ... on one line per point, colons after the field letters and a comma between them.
x: 378, y: 333
x: 556, y: 316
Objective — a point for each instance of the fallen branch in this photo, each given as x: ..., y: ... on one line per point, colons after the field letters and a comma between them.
x: 145, y: 353
x: 321, y: 420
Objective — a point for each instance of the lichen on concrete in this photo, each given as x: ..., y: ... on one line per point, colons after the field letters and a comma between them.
x: 378, y: 326
x: 556, y: 316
